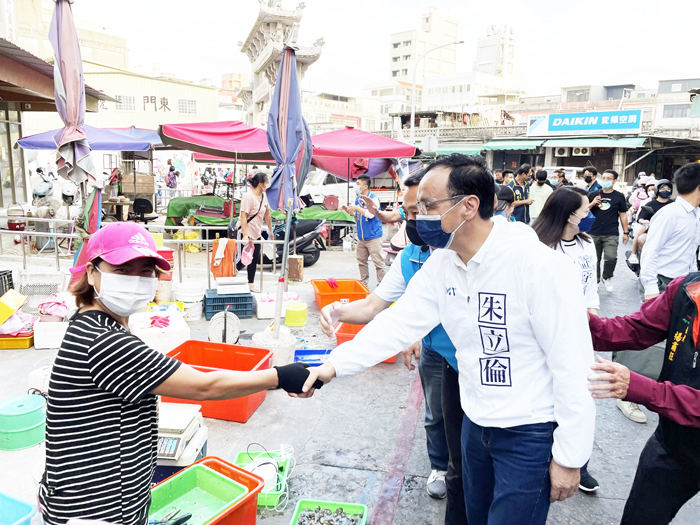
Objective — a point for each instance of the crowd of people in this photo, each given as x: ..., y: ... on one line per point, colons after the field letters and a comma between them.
x: 506, y: 360
x: 516, y: 405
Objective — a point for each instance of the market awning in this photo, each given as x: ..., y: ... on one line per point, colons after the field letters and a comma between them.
x: 98, y: 139
x: 354, y: 143
x: 596, y: 142
x: 506, y: 145
x: 465, y: 149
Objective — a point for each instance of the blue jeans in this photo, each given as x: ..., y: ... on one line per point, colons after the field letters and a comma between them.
x: 430, y: 371
x: 506, y: 473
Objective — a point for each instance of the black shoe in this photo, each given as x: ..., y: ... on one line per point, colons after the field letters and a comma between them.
x: 588, y: 483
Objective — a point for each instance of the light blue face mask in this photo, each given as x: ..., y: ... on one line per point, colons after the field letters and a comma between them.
x: 430, y: 229
x: 606, y: 184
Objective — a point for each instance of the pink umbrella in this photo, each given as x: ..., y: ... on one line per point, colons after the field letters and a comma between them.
x: 74, y: 160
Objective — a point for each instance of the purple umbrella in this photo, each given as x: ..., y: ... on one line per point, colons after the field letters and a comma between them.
x: 290, y: 144
x: 74, y: 162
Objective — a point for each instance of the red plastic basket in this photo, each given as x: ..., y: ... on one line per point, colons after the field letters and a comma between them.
x: 208, y: 357
x: 244, y: 511
x: 348, y: 290
x: 347, y: 332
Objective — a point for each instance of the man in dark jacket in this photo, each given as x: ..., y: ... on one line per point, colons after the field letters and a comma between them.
x: 668, y: 474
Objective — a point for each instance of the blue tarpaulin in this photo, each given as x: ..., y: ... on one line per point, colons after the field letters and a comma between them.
x: 98, y: 139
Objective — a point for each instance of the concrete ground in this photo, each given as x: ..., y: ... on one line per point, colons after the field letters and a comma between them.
x: 346, y: 435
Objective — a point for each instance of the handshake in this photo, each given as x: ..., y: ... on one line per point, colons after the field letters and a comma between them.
x: 292, y: 377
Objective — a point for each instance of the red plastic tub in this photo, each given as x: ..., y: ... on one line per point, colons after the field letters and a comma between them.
x: 348, y: 290
x: 244, y: 511
x: 208, y: 357
x: 347, y: 332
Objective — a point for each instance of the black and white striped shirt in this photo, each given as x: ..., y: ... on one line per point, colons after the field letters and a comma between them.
x: 101, y: 424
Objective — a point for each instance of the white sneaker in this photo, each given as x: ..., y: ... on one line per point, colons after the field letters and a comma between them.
x: 631, y: 411
x: 608, y: 285
x: 633, y: 259
x: 436, y: 484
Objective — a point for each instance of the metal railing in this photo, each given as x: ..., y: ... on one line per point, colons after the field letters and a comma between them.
x: 485, y: 132
x: 179, y: 244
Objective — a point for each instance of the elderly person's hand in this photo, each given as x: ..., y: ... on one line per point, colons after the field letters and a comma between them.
x: 613, y: 381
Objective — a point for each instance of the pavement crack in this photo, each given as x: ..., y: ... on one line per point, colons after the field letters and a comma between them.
x: 313, y: 430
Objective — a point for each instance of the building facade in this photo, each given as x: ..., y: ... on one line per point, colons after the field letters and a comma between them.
x: 495, y: 53
x: 407, y: 46
x: 143, y: 101
x: 272, y: 30
x: 394, y: 96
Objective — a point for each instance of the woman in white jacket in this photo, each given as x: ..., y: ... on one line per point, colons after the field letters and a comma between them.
x: 562, y: 225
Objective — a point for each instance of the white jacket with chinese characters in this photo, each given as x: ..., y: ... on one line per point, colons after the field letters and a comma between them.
x: 520, y: 329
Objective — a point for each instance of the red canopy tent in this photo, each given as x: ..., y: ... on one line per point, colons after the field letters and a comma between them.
x: 204, y: 158
x: 228, y: 139
x: 354, y: 143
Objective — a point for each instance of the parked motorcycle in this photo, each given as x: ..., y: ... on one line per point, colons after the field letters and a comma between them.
x: 44, y: 188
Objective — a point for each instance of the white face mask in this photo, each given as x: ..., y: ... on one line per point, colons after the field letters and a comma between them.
x: 126, y: 294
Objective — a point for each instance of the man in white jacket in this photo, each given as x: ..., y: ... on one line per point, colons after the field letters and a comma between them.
x: 523, y: 346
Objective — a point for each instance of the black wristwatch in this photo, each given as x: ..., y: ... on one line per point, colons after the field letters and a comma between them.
x: 625, y: 233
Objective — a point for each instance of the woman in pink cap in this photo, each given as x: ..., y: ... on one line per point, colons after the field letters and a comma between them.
x: 101, y: 421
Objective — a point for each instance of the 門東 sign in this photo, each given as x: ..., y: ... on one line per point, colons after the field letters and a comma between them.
x: 590, y: 123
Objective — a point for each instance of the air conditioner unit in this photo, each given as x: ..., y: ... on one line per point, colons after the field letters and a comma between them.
x: 562, y: 152
x: 582, y: 152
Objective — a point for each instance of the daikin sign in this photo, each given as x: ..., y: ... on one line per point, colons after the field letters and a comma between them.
x: 590, y: 123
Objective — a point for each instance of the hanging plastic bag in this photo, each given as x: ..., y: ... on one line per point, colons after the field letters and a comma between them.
x: 192, y: 247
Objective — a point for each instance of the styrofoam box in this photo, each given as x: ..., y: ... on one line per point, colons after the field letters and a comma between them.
x: 49, y: 335
x: 162, y: 340
x: 266, y: 310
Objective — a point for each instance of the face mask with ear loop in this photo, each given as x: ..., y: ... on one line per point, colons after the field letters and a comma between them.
x: 430, y: 229
x: 125, y: 294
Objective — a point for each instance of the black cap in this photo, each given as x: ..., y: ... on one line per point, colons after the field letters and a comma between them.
x: 505, y: 194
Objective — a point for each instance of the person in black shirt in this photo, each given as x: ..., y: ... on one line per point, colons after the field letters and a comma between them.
x: 610, y: 209
x: 521, y: 189
x: 664, y: 190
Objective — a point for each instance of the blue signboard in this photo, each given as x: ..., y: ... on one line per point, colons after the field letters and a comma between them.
x: 590, y: 123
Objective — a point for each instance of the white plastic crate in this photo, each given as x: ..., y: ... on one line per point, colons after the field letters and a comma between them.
x: 266, y: 309
x: 38, y: 286
x: 162, y: 340
x: 49, y: 335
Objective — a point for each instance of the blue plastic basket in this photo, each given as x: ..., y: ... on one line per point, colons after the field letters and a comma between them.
x: 311, y: 357
x: 14, y: 511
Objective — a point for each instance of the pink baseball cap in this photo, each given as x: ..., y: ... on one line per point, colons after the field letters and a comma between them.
x: 121, y: 242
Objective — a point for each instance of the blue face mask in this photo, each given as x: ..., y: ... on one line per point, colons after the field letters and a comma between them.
x: 606, y: 184
x: 430, y: 229
x: 554, y: 182
x: 586, y: 223
x: 358, y: 191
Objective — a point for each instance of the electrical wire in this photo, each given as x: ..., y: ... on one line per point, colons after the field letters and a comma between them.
x: 282, y: 476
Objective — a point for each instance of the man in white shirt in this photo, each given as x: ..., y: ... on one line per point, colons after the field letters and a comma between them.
x: 673, y: 238
x: 539, y: 193
x: 523, y: 346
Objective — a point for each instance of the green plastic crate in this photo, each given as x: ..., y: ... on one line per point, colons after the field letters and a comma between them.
x: 348, y: 508
x: 272, y: 498
x: 199, y: 490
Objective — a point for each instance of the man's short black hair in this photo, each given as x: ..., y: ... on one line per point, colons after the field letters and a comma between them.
x: 506, y: 172
x: 541, y: 175
x: 414, y: 178
x: 614, y: 173
x: 365, y: 179
x: 591, y: 170
x: 525, y: 168
x: 687, y: 178
x: 497, y: 171
x: 469, y: 176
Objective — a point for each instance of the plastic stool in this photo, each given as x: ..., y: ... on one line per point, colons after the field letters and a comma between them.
x: 296, y: 314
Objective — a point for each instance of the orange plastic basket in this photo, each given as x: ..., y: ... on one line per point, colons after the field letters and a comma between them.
x: 347, y: 332
x: 348, y: 290
x: 208, y: 357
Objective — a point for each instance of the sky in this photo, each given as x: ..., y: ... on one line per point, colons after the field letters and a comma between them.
x: 559, y: 42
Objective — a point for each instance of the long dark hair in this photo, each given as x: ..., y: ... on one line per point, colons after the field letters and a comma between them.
x: 549, y: 226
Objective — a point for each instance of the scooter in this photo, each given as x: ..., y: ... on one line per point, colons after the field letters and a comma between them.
x: 43, y: 188
x: 309, y: 242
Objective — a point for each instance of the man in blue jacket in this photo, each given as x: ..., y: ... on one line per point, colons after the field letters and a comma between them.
x: 369, y: 231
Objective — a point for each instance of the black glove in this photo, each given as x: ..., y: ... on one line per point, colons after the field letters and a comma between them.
x: 292, y: 377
